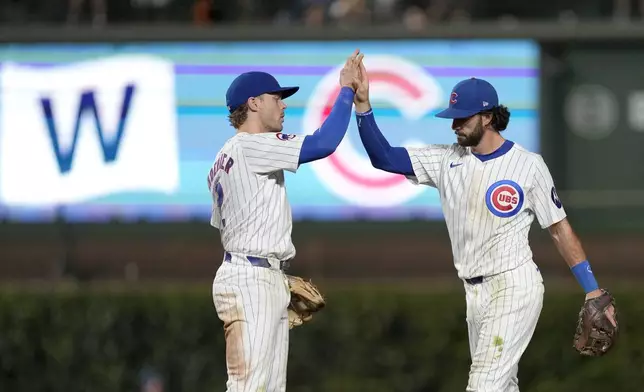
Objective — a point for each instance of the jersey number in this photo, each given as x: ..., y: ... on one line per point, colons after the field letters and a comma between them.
x: 219, y: 193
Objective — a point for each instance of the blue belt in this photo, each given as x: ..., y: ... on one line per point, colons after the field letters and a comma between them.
x: 259, y: 261
x: 475, y: 280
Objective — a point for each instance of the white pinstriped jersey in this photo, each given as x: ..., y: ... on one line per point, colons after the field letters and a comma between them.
x: 489, y: 202
x: 250, y: 207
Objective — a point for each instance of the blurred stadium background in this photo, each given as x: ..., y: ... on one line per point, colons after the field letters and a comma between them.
x: 106, y: 255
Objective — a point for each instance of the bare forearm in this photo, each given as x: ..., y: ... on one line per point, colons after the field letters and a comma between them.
x: 571, y: 250
x: 567, y: 243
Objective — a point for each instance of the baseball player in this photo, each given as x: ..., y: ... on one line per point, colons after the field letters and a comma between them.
x: 251, y: 210
x: 491, y: 189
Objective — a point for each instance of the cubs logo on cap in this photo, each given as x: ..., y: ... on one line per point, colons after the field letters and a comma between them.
x: 253, y: 84
x: 504, y: 198
x: 469, y: 97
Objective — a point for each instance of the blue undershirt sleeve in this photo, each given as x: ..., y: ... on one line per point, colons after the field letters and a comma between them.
x: 325, y: 140
x: 382, y: 155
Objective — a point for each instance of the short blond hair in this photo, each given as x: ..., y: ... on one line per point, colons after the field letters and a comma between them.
x: 238, y: 116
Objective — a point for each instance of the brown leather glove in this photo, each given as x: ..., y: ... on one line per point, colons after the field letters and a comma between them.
x: 595, y: 333
x: 306, y: 299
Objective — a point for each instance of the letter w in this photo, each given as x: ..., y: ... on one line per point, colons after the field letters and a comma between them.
x: 87, y: 103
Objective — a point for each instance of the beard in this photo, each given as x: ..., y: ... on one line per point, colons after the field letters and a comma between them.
x: 474, y: 138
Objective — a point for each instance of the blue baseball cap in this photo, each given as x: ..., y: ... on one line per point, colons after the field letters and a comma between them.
x: 253, y: 84
x: 469, y: 97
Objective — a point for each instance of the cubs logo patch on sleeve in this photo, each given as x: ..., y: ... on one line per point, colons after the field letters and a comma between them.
x: 284, y: 136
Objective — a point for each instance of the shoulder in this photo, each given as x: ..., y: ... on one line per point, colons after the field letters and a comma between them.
x: 525, y: 154
x: 267, y: 137
x: 250, y: 141
x: 433, y: 149
x: 531, y: 159
x: 233, y: 143
x: 229, y: 144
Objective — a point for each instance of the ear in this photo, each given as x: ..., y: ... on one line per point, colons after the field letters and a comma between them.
x: 253, y: 103
x: 486, y: 119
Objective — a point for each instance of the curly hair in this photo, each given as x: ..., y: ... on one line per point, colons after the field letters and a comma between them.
x: 500, y: 117
x: 238, y: 116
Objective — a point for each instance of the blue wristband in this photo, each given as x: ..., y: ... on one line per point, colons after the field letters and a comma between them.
x: 585, y: 277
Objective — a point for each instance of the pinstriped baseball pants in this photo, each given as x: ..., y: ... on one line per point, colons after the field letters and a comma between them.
x: 502, y: 314
x: 252, y: 303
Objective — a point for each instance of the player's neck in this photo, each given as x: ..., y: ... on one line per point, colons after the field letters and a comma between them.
x: 251, y: 127
x: 490, y: 142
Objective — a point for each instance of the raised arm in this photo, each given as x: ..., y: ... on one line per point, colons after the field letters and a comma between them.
x: 326, y: 140
x: 382, y: 155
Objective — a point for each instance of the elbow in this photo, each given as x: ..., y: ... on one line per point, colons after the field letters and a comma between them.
x: 320, y: 153
x: 326, y: 147
x: 315, y: 148
x: 378, y: 164
x: 556, y: 238
x: 382, y: 164
x: 554, y: 233
x: 379, y: 160
x: 325, y: 151
x: 391, y: 166
x: 559, y: 230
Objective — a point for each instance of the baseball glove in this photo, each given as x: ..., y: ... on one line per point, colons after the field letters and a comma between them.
x: 306, y: 299
x: 595, y: 334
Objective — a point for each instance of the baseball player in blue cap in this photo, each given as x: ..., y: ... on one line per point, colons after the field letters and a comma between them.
x: 250, y: 208
x: 490, y: 189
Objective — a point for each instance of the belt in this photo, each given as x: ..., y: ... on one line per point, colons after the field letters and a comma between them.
x: 475, y: 280
x: 259, y: 261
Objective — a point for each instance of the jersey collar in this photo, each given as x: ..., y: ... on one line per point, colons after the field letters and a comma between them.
x: 505, y: 147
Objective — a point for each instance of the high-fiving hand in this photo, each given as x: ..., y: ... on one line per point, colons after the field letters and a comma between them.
x: 361, y: 99
x: 350, y: 73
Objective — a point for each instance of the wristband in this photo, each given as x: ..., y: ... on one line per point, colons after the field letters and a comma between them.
x: 584, y: 276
